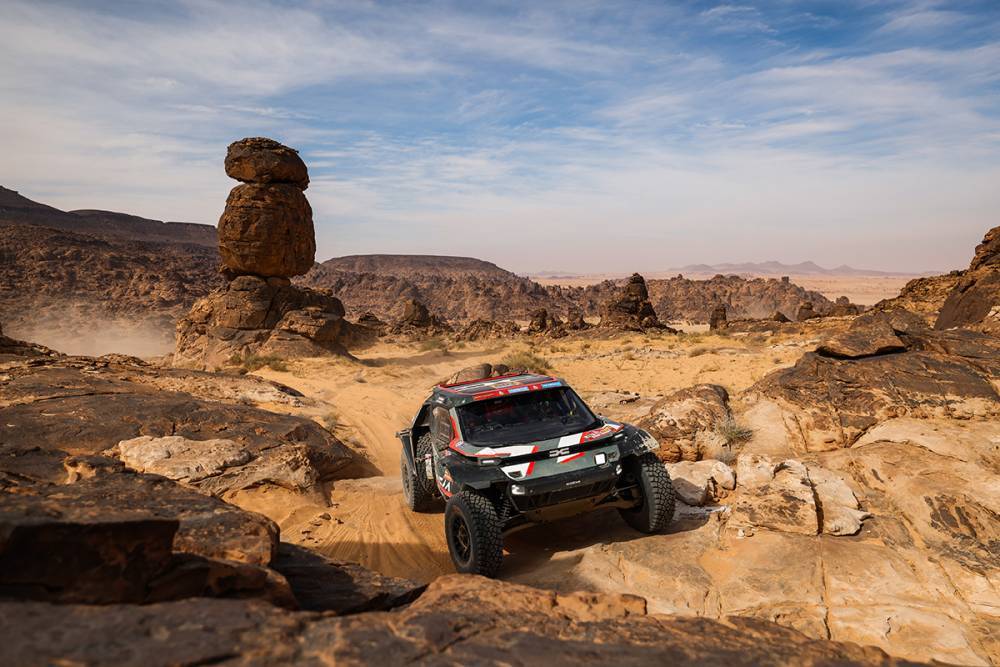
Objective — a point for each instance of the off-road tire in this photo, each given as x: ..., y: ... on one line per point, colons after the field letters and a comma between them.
x: 420, y: 494
x: 657, y: 508
x: 480, y: 550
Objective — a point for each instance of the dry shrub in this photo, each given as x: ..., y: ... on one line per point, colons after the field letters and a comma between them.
x: 732, y: 432
x: 527, y: 360
x: 254, y: 362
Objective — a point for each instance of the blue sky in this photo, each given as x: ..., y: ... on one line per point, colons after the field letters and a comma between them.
x: 578, y: 136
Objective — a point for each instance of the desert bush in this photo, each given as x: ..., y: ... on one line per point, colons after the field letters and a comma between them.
x: 433, y: 343
x: 527, y: 360
x: 732, y: 432
x: 698, y: 351
x: 254, y: 362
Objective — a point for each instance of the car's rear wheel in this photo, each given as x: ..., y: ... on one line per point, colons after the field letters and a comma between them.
x: 417, y: 489
x: 474, y: 533
x: 655, y: 510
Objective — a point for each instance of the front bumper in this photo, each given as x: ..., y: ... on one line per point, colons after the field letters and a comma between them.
x: 588, y: 485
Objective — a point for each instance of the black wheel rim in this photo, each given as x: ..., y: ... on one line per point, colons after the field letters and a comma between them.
x: 462, y: 538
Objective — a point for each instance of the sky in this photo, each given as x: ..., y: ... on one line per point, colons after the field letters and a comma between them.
x: 579, y: 136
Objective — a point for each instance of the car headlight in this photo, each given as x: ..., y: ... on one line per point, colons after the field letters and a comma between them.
x: 649, y: 442
x: 518, y: 490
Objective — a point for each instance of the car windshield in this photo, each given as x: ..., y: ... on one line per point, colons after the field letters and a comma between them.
x: 520, y: 418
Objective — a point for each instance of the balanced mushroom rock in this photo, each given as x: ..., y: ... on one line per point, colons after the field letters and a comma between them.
x: 265, y: 236
x: 266, y: 228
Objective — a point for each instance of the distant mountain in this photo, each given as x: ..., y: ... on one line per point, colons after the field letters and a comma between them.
x: 16, y: 209
x: 774, y: 268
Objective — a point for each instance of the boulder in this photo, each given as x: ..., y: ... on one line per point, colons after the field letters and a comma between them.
x: 806, y: 312
x: 267, y: 230
x: 828, y: 402
x: 575, y: 321
x: 779, y: 316
x: 781, y: 501
x: 261, y: 160
x: 865, y: 338
x: 717, y: 320
x: 975, y: 299
x: 685, y: 422
x: 836, y: 503
x: 843, y: 307
x: 320, y: 584
x: 415, y: 314
x: 697, y: 483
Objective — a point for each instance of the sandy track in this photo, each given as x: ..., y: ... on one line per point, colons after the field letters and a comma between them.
x: 367, y: 401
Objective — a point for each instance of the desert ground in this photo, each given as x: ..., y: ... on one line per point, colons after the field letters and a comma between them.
x: 368, y: 400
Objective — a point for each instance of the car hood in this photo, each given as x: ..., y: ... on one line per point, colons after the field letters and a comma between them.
x: 564, y: 454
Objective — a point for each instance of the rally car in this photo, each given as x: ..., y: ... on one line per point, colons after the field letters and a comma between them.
x: 509, y: 451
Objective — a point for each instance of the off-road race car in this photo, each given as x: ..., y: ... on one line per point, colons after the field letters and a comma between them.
x: 509, y: 451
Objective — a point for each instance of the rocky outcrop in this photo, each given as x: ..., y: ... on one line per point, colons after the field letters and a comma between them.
x: 975, y: 299
x: 806, y: 312
x: 843, y: 307
x: 779, y: 316
x: 254, y: 316
x: 194, y: 427
x: 717, y: 320
x: 789, y: 496
x: 418, y: 322
x: 924, y: 296
x: 74, y: 292
x: 884, y: 367
x: 487, y: 330
x: 458, y: 620
x: 265, y: 236
x: 631, y: 309
x: 686, y: 423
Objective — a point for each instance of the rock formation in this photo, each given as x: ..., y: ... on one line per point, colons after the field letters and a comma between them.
x: 686, y: 423
x: 418, y: 322
x: 265, y: 236
x: 631, y: 309
x: 717, y: 320
x: 975, y: 299
x: 806, y: 312
x: 843, y: 307
x: 487, y: 330
x: 458, y: 620
x: 885, y: 365
x: 924, y: 296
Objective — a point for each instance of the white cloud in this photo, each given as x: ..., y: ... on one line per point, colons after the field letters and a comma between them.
x: 546, y: 137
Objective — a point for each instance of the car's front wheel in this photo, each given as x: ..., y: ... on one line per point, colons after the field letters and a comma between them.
x: 655, y: 510
x: 417, y: 489
x: 474, y: 533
